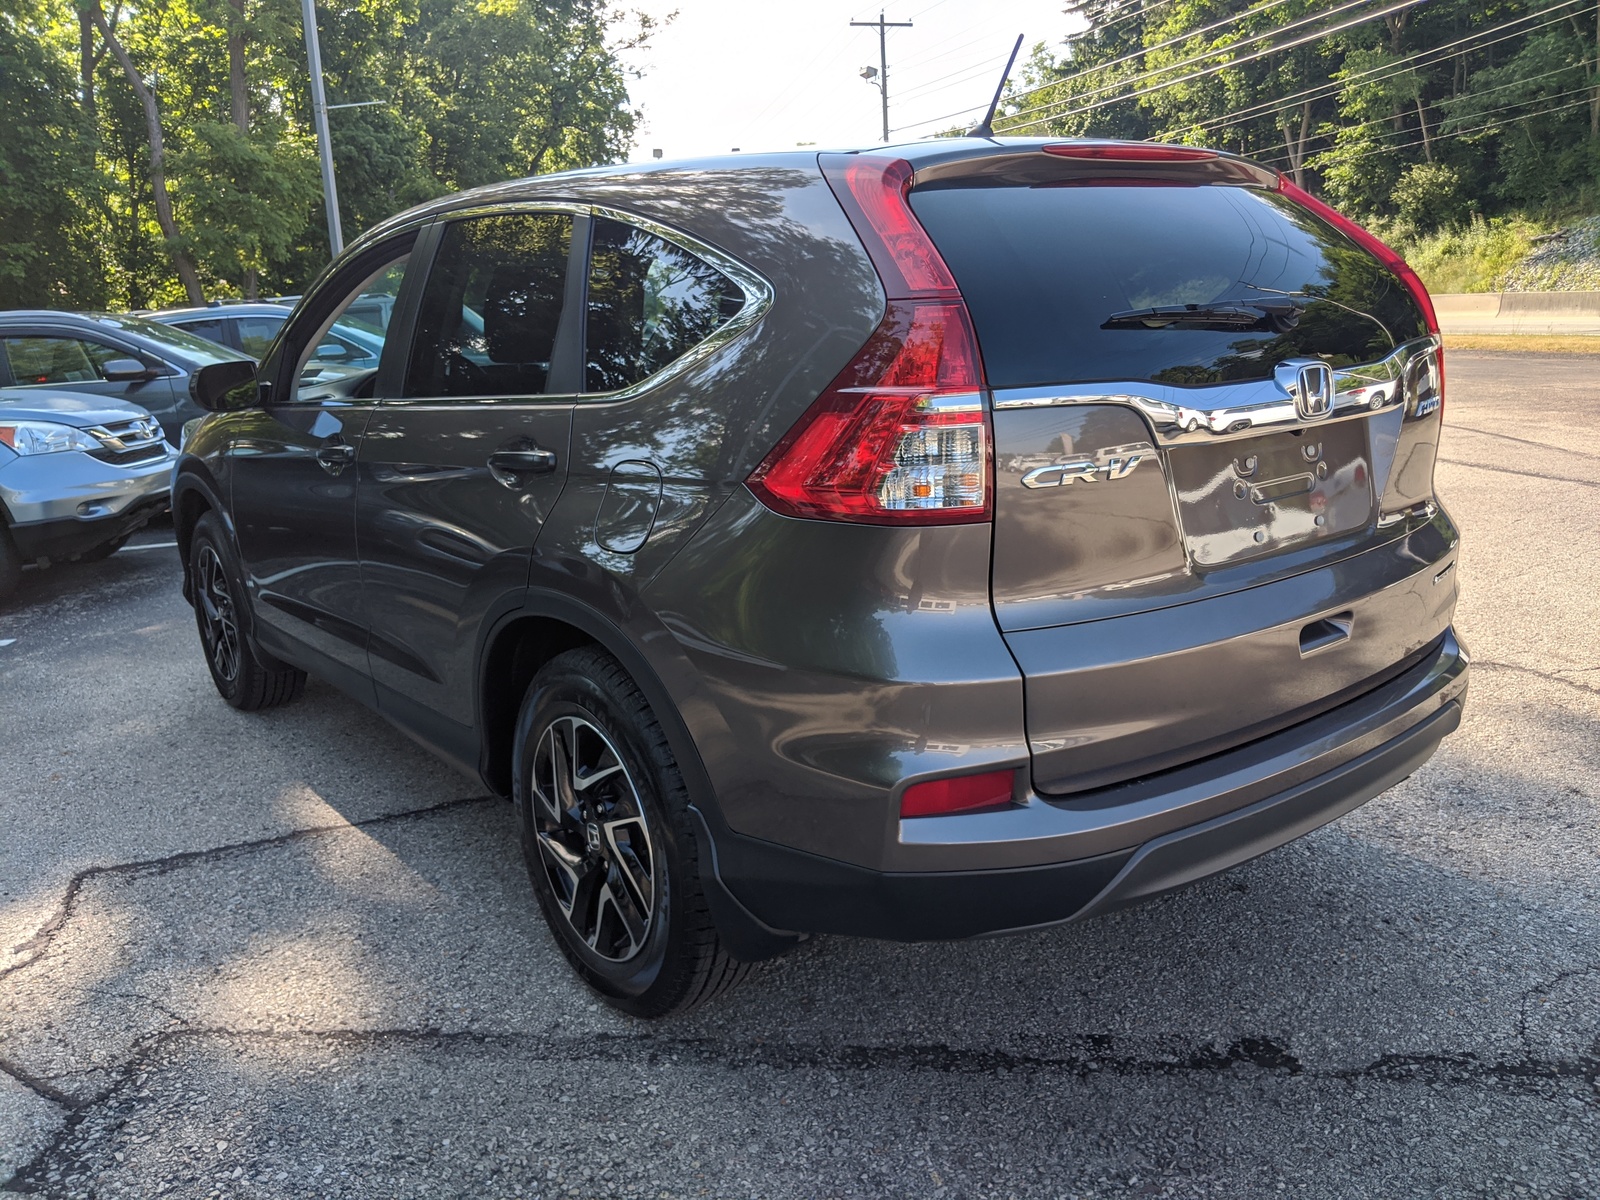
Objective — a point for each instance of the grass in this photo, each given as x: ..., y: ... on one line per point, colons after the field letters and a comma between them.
x: 1532, y: 343
x: 1475, y: 257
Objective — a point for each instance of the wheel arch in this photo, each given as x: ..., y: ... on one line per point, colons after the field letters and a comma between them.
x: 194, y: 493
x: 522, y: 640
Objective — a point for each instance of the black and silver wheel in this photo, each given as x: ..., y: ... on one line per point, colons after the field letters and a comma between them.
x: 594, y: 838
x: 609, y: 841
x: 241, y: 678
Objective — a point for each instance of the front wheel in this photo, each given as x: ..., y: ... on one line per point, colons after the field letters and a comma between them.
x: 609, y: 842
x: 240, y: 676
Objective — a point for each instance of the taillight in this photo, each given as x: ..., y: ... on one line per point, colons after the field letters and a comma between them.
x: 1389, y: 258
x: 957, y: 794
x: 1128, y: 152
x: 901, y: 436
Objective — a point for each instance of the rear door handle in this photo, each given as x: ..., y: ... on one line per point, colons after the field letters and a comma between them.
x: 336, y: 456
x: 533, y: 461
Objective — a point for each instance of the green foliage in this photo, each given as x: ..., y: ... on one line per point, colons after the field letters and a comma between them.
x: 468, y: 91
x: 1474, y: 257
x: 1428, y: 195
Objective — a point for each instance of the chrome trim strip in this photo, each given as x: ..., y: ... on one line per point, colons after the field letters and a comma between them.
x: 1177, y: 415
x: 758, y: 296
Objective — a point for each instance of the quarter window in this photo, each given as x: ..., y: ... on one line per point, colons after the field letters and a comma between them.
x: 650, y: 302
x: 58, y: 360
x: 493, y: 303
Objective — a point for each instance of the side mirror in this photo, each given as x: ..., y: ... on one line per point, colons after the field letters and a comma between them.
x: 224, y: 386
x: 331, y: 352
x: 125, y: 370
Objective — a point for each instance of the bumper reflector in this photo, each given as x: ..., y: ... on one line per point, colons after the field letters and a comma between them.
x: 958, y: 794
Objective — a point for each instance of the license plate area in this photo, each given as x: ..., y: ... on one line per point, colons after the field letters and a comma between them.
x: 1253, y: 497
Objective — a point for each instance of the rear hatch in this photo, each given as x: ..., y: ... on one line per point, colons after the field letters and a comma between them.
x: 1213, y: 412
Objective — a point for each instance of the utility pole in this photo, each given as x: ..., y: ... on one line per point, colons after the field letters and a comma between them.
x: 883, y: 28
x: 319, y: 115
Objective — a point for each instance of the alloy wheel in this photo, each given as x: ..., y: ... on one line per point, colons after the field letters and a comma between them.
x: 219, y: 628
x: 594, y: 839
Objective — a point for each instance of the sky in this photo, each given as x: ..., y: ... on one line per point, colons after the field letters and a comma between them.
x: 763, y: 75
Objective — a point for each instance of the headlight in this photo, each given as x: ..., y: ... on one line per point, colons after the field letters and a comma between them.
x: 46, y: 437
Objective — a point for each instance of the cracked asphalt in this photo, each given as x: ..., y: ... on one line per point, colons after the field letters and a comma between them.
x: 289, y: 955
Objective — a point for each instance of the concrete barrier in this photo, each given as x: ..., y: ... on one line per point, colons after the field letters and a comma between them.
x: 1519, y: 312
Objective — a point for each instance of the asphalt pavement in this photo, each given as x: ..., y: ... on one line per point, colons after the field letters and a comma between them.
x: 290, y: 955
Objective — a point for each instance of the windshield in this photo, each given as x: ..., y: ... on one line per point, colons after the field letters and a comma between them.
x: 187, y: 348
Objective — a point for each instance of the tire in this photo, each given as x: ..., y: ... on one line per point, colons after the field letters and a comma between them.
x: 617, y: 868
x: 10, y: 565
x: 104, y: 551
x: 219, y: 608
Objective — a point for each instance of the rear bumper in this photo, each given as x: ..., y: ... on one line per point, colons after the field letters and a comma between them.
x: 1184, y: 824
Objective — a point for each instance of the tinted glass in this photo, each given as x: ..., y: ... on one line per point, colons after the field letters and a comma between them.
x: 57, y: 360
x: 489, y: 315
x: 256, y: 333
x: 649, y: 303
x: 1045, y: 269
x: 211, y: 330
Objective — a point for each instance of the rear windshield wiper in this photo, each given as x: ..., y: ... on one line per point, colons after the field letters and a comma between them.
x: 1279, y: 316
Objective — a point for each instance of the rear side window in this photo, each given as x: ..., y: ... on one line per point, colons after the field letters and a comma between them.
x: 211, y: 330
x: 491, y: 307
x: 1057, y: 277
x: 650, y: 302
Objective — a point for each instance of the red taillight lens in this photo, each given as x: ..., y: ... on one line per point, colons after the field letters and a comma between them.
x: 1367, y: 242
x: 958, y: 794
x: 901, y: 437
x: 872, y: 189
x: 1128, y: 152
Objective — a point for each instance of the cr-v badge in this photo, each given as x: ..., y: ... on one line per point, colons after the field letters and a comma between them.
x: 1087, y: 470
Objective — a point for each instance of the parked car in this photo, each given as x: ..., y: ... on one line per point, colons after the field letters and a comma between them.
x: 126, y: 357
x: 78, y: 475
x: 251, y: 327
x: 372, y: 309
x: 946, y: 540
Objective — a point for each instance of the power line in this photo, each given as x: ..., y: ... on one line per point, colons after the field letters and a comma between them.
x: 1279, y: 159
x: 1096, y: 67
x: 1389, y: 70
x: 1458, y: 133
x: 1315, y: 35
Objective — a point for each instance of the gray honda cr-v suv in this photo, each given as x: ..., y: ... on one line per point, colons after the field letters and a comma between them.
x: 924, y: 543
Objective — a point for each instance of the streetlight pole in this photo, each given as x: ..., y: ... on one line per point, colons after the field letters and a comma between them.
x: 882, y: 27
x: 319, y: 116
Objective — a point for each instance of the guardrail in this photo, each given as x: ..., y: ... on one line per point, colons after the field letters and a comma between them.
x: 1519, y: 312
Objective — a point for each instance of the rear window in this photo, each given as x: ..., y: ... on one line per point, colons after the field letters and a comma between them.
x: 1060, y: 281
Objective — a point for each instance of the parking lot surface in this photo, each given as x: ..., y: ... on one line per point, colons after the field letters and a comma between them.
x: 289, y: 955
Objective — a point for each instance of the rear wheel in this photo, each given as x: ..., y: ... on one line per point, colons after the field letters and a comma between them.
x: 240, y: 676
x: 608, y: 840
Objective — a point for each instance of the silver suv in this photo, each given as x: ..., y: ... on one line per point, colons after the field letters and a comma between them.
x: 78, y: 475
